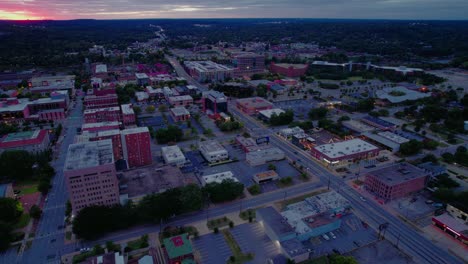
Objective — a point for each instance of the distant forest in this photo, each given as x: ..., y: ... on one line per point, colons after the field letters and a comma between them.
x: 44, y: 43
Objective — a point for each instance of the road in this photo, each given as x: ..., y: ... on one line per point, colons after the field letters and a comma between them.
x: 182, y: 73
x: 398, y: 232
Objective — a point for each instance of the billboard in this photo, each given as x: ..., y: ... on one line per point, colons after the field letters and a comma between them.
x: 262, y: 140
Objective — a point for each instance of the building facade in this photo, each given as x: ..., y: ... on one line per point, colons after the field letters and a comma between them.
x: 213, y: 151
x: 103, y: 101
x: 253, y: 105
x: 136, y: 144
x: 31, y: 141
x: 289, y: 70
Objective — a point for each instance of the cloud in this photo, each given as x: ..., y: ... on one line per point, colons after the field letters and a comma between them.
x: 104, y: 9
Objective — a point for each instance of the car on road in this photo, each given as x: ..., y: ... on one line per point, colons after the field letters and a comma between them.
x: 332, y: 235
x: 325, y: 237
x: 362, y: 199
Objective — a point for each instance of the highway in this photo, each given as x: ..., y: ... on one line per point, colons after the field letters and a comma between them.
x: 409, y: 240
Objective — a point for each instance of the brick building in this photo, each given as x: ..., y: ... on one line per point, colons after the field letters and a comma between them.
x: 289, y: 70
x: 31, y: 141
x: 253, y: 105
x: 180, y: 114
x: 95, y: 101
x: 136, y: 144
x: 128, y: 115
x: 109, y: 114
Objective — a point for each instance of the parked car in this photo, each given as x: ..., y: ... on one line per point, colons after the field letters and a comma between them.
x: 362, y: 199
x: 332, y: 235
x: 325, y: 237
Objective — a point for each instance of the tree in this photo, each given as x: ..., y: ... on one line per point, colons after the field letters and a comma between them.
x: 171, y: 133
x: 227, y: 190
x: 271, y: 166
x: 5, y: 235
x: 162, y: 108
x: 365, y: 105
x: 282, y: 119
x: 318, y: 113
x: 10, y: 210
x: 411, y: 147
x: 44, y: 186
x: 430, y: 158
x: 16, y: 164
x: 191, y: 198
x: 137, y: 110
x: 150, y: 109
x: 448, y: 157
x: 35, y: 212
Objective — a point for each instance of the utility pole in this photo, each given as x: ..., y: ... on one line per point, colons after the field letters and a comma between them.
x: 329, y: 181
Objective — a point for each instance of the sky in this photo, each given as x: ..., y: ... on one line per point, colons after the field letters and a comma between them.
x: 124, y: 9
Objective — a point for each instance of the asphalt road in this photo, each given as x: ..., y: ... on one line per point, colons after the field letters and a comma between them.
x: 409, y: 240
x: 182, y: 73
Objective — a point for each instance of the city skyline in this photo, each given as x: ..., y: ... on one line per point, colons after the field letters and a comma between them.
x: 137, y: 9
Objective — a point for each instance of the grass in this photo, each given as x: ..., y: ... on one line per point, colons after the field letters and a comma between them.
x: 355, y: 78
x: 281, y: 205
x: 238, y: 256
x: 82, y: 257
x: 320, y: 260
x: 244, y: 215
x: 219, y: 222
x: 68, y: 235
x: 29, y: 189
x: 23, y: 221
x: 142, y: 242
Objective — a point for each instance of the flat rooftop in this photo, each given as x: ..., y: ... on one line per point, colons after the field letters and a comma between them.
x: 18, y: 136
x: 254, y: 102
x: 260, y: 153
x: 97, y: 110
x: 141, y: 75
x: 172, y: 152
x: 127, y: 109
x: 275, y: 221
x: 266, y: 175
x: 89, y: 154
x: 215, y: 95
x: 181, y: 98
x: 179, y: 111
x: 289, y: 65
x: 398, y: 173
x: 455, y: 224
x: 357, y: 126
x: 100, y: 124
x: 211, y: 146
x: 400, y: 94
x: 219, y: 177
x: 393, y: 137
x: 134, y: 130
x: 206, y: 66
x: 345, y: 148
x: 269, y: 112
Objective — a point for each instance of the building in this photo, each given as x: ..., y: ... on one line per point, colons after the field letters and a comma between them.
x: 31, y: 141
x: 173, y: 155
x: 101, y: 126
x: 128, y: 115
x: 113, y: 135
x: 141, y: 96
x: 6, y: 190
x: 136, y: 145
x: 303, y: 141
x: 213, y: 151
x: 433, y: 169
x: 378, y: 123
x: 90, y: 175
x: 142, y: 79
x: 265, y: 115
x: 253, y: 105
x: 102, y: 101
x: 218, y: 177
x: 214, y: 103
x: 178, y: 249
x: 108, y: 258
x: 204, y: 71
x: 181, y: 100
x: 248, y: 63
x: 357, y: 127
x: 459, y: 214
x: 289, y: 70
x: 399, y: 94
x: 395, y: 181
x: 47, y: 84
x: 290, y: 131
x: 180, y: 114
x: 452, y: 226
x: 349, y: 150
x: 97, y: 115
x: 247, y: 144
x: 14, y: 110
x: 265, y: 176
x: 262, y: 156
x: 386, y: 139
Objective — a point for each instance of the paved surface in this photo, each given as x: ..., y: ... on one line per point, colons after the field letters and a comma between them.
x: 212, y: 248
x: 381, y: 252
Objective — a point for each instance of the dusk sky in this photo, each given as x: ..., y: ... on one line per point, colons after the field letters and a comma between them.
x: 116, y: 9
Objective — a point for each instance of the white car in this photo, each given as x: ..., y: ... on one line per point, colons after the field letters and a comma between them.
x: 325, y: 237
x: 362, y: 199
x: 332, y: 235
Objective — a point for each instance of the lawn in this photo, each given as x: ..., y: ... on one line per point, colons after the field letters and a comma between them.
x: 281, y: 205
x: 142, y: 242
x: 219, y: 222
x: 355, y: 78
x: 320, y: 260
x: 29, y: 189
x: 23, y: 221
x: 238, y: 256
x: 244, y: 215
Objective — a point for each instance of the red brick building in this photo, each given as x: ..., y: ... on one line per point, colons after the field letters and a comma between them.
x: 128, y: 115
x: 395, y: 181
x: 98, y: 115
x: 94, y: 101
x: 290, y: 70
x: 136, y: 144
x: 253, y: 105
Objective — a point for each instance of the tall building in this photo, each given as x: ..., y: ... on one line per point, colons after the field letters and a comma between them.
x: 136, y: 144
x: 248, y: 63
x: 90, y: 174
x: 204, y: 71
x: 214, y: 103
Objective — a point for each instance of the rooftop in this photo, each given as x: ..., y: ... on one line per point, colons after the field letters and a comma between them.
x: 211, y: 146
x: 141, y: 75
x: 134, y: 130
x: 179, y: 111
x: 101, y: 68
x: 181, y: 98
x: 266, y: 174
x: 375, y: 120
x: 269, y: 112
x: 215, y: 96
x: 105, y: 109
x: 290, y: 65
x: 393, y: 137
x: 275, y: 221
x: 206, y: 66
x: 260, y: 153
x: 172, y: 152
x: 178, y: 246
x: 382, y: 140
x: 397, y: 173
x: 451, y: 222
x: 89, y: 154
x: 255, y: 102
x: 357, y: 126
x: 219, y: 177
x: 400, y: 94
x: 100, y: 124
x: 127, y: 109
x: 294, y: 247
x: 23, y: 138
x: 345, y: 148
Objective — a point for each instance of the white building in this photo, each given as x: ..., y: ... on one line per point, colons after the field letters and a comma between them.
x: 213, y: 151
x: 219, y: 177
x: 262, y: 156
x: 289, y: 132
x: 173, y: 155
x: 266, y: 114
x: 208, y: 70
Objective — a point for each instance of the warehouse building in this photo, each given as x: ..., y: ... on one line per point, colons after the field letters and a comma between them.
x: 213, y: 151
x: 340, y: 152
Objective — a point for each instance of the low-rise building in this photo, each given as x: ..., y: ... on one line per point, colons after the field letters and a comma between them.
x: 262, y: 156
x: 180, y: 114
x: 265, y: 176
x: 181, y: 100
x: 219, y: 177
x: 253, y: 105
x: 90, y: 175
x: 290, y: 131
x: 32, y: 141
x: 247, y: 144
x: 265, y: 115
x: 141, y: 96
x: 142, y: 79
x: 452, y: 226
x: 173, y: 155
x: 387, y: 140
x: 101, y: 126
x: 178, y: 249
x: 100, y: 101
x: 378, y: 123
x: 213, y: 151
x: 349, y: 150
x: 395, y: 181
x: 289, y: 70
x: 204, y: 71
x: 433, y: 169
x: 128, y: 115
x: 97, y: 115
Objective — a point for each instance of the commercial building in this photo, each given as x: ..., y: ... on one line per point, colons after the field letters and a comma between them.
x: 433, y: 169
x: 399, y: 94
x: 289, y: 70
x: 349, y: 150
x: 452, y: 226
x: 113, y: 135
x: 14, y: 110
x: 213, y: 151
x: 142, y: 79
x: 31, y: 141
x: 387, y: 140
x: 173, y: 155
x: 262, y: 156
x: 247, y: 144
x: 48, y: 84
x: 108, y: 258
x: 181, y: 100
x: 90, y: 175
x: 101, y: 126
x: 378, y: 123
x: 265, y: 176
x: 180, y: 114
x: 395, y: 181
x: 204, y: 71
x: 248, y: 63
x: 141, y: 96
x: 214, y: 103
x: 290, y: 131
x: 253, y: 105
x: 109, y: 114
x: 136, y: 144
x: 303, y: 141
x: 219, y: 177
x: 102, y: 101
x: 178, y: 249
x: 128, y: 115
x: 265, y: 115
x: 356, y: 127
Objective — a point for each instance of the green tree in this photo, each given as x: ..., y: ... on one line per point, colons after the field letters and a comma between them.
x: 16, y: 164
x: 271, y: 166
x: 162, y: 108
x: 150, y: 109
x: 10, y: 210
x: 227, y: 190
x: 411, y: 147
x: 318, y: 113
x: 191, y: 198
x: 137, y: 110
x: 35, y: 212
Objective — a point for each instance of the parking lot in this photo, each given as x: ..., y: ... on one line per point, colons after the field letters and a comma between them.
x: 351, y: 235
x: 300, y: 107
x: 211, y: 249
x: 381, y: 252
x: 413, y: 208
